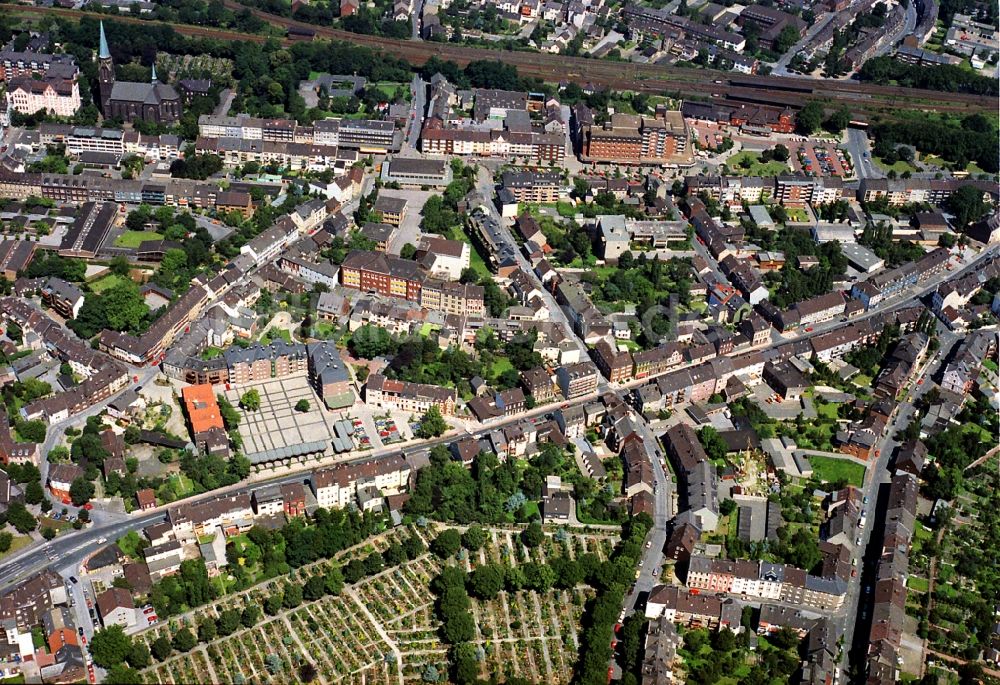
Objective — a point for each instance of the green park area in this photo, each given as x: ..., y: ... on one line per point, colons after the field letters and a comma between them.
x: 832, y: 469
x: 105, y: 283
x: 748, y: 163
x: 133, y: 239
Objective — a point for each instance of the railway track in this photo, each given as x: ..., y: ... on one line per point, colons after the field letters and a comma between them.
x: 774, y: 90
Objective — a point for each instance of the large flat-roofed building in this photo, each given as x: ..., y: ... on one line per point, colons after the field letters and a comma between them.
x: 88, y: 233
x: 631, y: 139
x: 412, y: 171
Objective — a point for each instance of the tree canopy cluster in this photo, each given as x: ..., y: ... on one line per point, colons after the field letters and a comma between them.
x: 973, y: 140
x: 878, y: 238
x: 943, y: 77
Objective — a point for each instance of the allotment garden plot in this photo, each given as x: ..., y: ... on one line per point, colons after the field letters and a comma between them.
x: 383, y: 629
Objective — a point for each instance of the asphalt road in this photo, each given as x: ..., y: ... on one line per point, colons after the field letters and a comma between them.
x: 856, y: 621
x: 858, y: 148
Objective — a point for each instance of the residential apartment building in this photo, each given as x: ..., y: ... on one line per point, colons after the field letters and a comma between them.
x: 631, y: 139
x: 576, y: 380
x: 533, y: 186
x: 762, y: 580
x: 699, y: 491
x: 339, y: 485
x: 540, y: 147
x: 233, y: 513
x: 365, y: 135
x: 56, y: 94
x: 259, y: 363
x: 684, y: 608
x: 405, y: 396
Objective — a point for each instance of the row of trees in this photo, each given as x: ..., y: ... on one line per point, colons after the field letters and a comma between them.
x: 266, y: 554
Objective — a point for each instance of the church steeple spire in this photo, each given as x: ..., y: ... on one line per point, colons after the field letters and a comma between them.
x: 153, y: 80
x: 105, y: 74
x: 103, y: 52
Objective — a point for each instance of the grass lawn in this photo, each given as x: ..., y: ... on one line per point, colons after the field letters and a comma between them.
x: 276, y: 333
x: 427, y: 328
x: 917, y: 584
x: 827, y: 411
x: 109, y: 281
x: 181, y: 485
x: 323, y: 330
x: 862, y: 381
x: 796, y: 214
x: 19, y: 542
x: 756, y: 168
x: 476, y: 261
x: 830, y: 469
x: 501, y: 364
x: 134, y: 238
x: 388, y: 89
x: 13, y: 680
x: 899, y: 167
x: 211, y: 353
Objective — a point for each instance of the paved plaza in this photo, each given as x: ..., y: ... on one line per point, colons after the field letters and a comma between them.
x: 277, y: 430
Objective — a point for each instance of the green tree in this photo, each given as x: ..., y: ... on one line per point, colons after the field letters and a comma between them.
x: 302, y: 405
x: 228, y: 623
x: 207, y: 630
x: 809, y: 117
x: 447, y: 543
x: 369, y: 342
x: 120, y: 674
x: 432, y: 424
x: 533, y: 536
x: 184, y: 640
x: 161, y: 648
x: 250, y: 400
x: 138, y: 656
x: 486, y: 581
x: 110, y: 646
x: 333, y: 581
x: 33, y: 493
x: 474, y: 538
x: 80, y: 491
x: 966, y: 203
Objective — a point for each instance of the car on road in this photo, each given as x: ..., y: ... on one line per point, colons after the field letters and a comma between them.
x: 73, y: 580
x: 649, y: 544
x: 857, y: 541
x: 80, y: 630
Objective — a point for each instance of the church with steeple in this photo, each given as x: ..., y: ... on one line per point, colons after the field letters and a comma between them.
x: 128, y: 101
